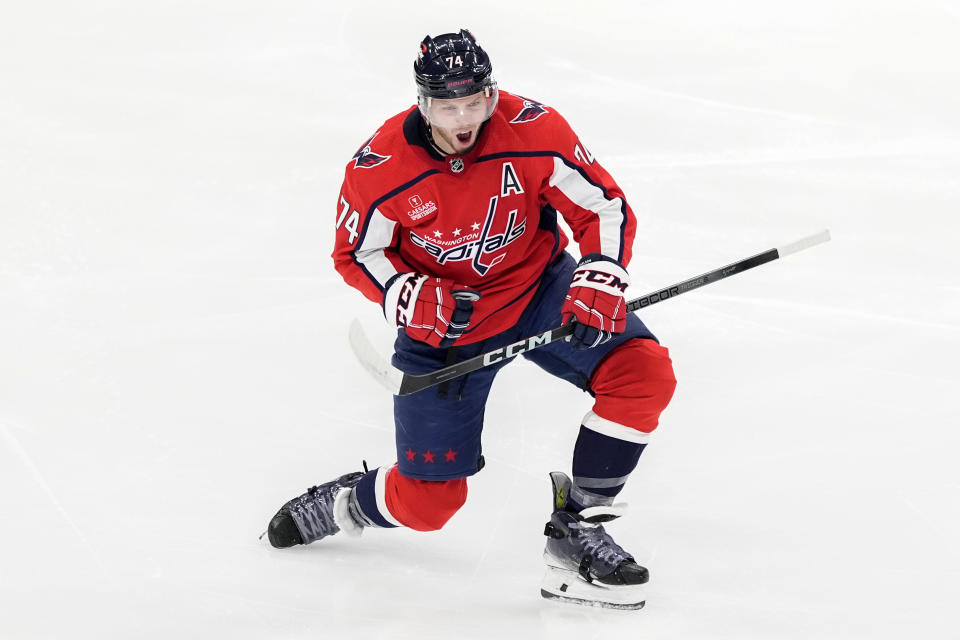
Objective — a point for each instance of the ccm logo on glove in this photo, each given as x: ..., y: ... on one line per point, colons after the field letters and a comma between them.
x: 432, y: 310
x: 592, y: 278
x: 596, y: 301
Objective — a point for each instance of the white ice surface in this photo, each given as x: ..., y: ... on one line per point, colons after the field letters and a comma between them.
x: 173, y: 353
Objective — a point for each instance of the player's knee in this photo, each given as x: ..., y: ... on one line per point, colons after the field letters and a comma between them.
x: 634, y: 384
x: 424, y: 505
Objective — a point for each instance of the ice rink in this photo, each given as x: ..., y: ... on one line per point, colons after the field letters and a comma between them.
x: 173, y: 353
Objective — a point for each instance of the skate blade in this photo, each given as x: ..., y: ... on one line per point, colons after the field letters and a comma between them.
x: 563, y: 585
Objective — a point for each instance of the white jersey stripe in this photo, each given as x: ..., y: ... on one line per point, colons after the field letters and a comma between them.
x: 380, y: 491
x: 589, y: 196
x: 614, y: 429
x: 369, y: 253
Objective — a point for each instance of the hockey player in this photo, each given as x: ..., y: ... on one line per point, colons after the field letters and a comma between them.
x: 447, y: 218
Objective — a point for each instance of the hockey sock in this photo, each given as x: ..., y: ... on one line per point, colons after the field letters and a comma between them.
x: 601, y: 466
x: 370, y: 496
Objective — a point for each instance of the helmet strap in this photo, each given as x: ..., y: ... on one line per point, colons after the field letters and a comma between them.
x: 431, y: 141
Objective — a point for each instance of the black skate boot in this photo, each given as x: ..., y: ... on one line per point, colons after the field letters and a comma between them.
x: 584, y: 564
x: 320, y: 512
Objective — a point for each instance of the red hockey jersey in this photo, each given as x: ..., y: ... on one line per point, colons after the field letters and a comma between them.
x: 487, y: 220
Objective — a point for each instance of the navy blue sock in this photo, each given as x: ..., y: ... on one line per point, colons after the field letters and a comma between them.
x: 601, y: 466
x: 366, y: 495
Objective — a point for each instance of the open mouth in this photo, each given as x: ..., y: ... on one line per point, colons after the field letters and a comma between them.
x: 465, y: 137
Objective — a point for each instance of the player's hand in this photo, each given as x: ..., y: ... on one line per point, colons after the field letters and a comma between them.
x: 596, y: 301
x: 432, y: 310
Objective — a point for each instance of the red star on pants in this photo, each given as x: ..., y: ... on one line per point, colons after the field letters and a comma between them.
x: 411, y: 455
x: 450, y: 455
x: 428, y: 457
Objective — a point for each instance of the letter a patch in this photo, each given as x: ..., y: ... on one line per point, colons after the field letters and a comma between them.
x: 510, y: 183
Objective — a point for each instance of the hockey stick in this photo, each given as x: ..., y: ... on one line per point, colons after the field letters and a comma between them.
x: 402, y: 384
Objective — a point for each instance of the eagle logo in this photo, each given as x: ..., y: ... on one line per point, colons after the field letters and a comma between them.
x: 530, y: 112
x: 364, y: 158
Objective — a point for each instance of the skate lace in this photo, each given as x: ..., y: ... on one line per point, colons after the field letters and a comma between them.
x: 598, y: 543
x: 316, y: 512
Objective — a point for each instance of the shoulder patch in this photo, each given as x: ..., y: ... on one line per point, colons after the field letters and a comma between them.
x: 530, y: 112
x: 364, y: 158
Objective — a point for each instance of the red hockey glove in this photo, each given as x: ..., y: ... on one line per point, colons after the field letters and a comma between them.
x: 431, y: 310
x: 596, y: 301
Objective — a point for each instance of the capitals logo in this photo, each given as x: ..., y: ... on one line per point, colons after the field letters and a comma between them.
x: 481, y: 244
x: 364, y: 158
x: 530, y: 112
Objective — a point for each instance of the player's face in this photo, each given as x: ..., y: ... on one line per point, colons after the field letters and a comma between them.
x: 459, y: 112
x: 456, y: 122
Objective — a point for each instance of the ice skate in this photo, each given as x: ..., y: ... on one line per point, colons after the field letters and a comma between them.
x: 320, y: 512
x: 584, y: 564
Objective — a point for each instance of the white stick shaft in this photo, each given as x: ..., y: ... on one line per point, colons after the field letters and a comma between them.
x: 375, y: 364
x: 804, y: 243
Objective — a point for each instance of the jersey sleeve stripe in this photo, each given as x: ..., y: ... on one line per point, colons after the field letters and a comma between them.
x: 588, y: 195
x: 369, y: 254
